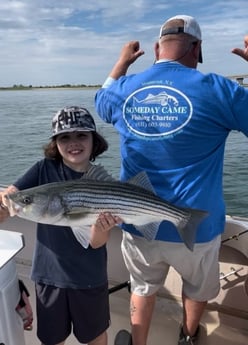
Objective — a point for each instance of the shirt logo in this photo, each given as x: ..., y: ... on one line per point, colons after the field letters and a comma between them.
x: 156, y: 112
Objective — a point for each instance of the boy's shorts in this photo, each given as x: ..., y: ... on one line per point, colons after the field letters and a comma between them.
x: 60, y: 310
x: 148, y: 263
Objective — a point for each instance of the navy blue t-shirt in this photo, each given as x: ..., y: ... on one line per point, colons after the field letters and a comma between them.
x: 59, y: 259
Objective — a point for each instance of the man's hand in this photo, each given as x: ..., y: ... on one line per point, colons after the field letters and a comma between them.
x: 242, y: 52
x: 129, y: 53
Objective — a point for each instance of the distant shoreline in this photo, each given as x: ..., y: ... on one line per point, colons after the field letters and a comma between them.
x: 63, y: 87
x: 58, y: 87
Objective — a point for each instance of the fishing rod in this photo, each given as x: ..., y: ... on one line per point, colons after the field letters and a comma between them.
x: 235, y: 237
x: 119, y: 287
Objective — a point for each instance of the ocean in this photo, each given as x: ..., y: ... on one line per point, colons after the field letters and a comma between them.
x: 25, y: 126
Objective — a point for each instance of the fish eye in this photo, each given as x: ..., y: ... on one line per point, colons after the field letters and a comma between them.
x: 27, y: 200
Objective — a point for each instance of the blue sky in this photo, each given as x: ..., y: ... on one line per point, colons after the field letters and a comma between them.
x: 53, y: 42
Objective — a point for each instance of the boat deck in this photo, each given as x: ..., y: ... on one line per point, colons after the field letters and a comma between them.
x: 225, y: 321
x: 218, y: 328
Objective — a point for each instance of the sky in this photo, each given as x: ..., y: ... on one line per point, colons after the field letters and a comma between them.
x: 57, y: 42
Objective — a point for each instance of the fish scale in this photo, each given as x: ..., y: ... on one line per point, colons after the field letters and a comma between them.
x: 97, y: 194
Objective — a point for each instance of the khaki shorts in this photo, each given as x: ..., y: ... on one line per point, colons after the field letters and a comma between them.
x: 148, y: 263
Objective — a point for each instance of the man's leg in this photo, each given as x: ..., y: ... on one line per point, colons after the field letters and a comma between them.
x: 141, y: 310
x: 192, y: 313
x: 201, y: 270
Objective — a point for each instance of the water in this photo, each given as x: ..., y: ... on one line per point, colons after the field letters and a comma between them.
x: 25, y: 120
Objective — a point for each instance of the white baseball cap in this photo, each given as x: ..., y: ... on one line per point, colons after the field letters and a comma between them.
x: 190, y: 27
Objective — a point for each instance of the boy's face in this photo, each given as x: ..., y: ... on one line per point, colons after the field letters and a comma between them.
x: 75, y: 149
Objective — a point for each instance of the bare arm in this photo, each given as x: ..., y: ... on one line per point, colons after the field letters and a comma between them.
x: 129, y: 53
x: 242, y: 52
x: 100, y: 231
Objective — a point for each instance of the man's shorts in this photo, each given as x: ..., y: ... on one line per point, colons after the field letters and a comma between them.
x: 148, y: 263
x: 60, y: 310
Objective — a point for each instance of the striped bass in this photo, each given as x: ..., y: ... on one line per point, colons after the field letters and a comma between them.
x: 78, y: 203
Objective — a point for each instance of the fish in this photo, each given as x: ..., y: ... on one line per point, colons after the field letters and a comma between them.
x: 162, y: 98
x: 78, y: 203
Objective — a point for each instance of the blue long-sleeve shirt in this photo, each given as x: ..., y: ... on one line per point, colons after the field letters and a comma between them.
x: 173, y: 123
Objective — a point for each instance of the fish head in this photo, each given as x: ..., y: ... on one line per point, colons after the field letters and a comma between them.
x: 35, y: 205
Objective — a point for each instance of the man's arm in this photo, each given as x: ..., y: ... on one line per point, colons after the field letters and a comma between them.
x: 129, y: 53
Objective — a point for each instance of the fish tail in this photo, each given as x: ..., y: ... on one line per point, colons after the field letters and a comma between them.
x: 188, y: 232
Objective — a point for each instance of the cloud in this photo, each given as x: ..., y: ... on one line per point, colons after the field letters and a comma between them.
x: 55, y: 42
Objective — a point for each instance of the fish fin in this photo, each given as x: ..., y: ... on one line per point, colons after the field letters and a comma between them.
x: 142, y: 180
x: 98, y: 172
x: 82, y: 235
x: 149, y: 231
x: 188, y: 232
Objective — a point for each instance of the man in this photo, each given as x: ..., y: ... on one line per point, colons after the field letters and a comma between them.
x: 173, y: 123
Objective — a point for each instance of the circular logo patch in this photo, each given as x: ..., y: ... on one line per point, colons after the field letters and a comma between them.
x: 156, y: 111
